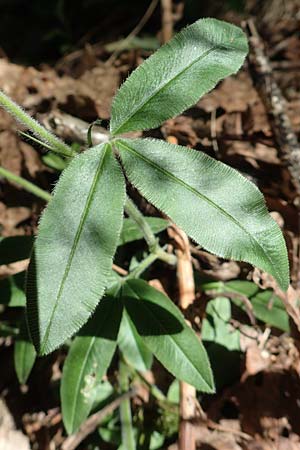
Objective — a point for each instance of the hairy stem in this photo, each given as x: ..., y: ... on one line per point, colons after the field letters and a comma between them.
x: 142, y: 266
x: 27, y: 185
x: 133, y: 212
x: 15, y: 110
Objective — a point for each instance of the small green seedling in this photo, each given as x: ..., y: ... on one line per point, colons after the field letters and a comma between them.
x: 70, y: 282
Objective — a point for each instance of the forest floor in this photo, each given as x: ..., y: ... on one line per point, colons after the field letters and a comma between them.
x: 257, y: 407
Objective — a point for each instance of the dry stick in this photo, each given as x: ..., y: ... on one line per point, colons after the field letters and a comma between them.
x: 72, y: 129
x: 90, y: 425
x: 167, y: 20
x: 136, y: 29
x: 188, y: 402
x: 275, y: 104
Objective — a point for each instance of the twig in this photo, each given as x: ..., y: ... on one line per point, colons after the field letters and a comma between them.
x: 213, y: 133
x: 136, y: 30
x: 73, y: 129
x: 188, y: 402
x: 167, y: 20
x: 275, y: 103
x: 234, y: 295
x: 91, y: 424
x: 119, y: 270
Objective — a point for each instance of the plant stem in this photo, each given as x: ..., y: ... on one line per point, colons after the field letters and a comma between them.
x: 128, y: 440
x: 152, y: 242
x: 27, y: 185
x: 16, y: 111
x: 142, y: 266
x: 153, y: 389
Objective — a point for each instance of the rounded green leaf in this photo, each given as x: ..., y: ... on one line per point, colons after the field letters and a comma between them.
x: 210, y: 201
x: 178, y: 74
x: 88, y: 359
x: 163, y: 329
x: 73, y: 253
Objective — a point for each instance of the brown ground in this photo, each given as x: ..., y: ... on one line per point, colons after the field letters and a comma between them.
x: 261, y: 408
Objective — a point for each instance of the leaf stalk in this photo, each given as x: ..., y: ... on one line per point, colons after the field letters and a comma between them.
x: 134, y: 213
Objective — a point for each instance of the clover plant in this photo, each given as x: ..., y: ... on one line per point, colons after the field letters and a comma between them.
x: 71, y: 287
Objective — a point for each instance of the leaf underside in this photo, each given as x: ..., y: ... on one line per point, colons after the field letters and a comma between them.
x: 73, y: 253
x: 87, y: 361
x: 178, y: 74
x: 215, y: 205
x: 165, y: 332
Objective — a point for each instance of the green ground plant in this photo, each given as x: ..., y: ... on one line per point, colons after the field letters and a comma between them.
x: 71, y: 288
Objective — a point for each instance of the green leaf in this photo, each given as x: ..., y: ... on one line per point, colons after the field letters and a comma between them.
x: 267, y: 306
x: 24, y: 354
x: 12, y: 290
x: 88, y: 359
x: 215, y: 327
x: 73, y: 253
x: 173, y: 394
x: 132, y: 347
x: 131, y: 232
x: 247, y: 288
x: 211, y: 202
x: 165, y: 332
x: 15, y: 248
x: 178, y: 74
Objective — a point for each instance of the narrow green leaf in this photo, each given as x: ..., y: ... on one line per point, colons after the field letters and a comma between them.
x: 12, y: 290
x: 73, y: 253
x: 211, y: 202
x: 165, y: 332
x: 24, y: 354
x: 132, y: 347
x: 15, y: 248
x: 131, y: 232
x: 178, y: 74
x: 88, y: 359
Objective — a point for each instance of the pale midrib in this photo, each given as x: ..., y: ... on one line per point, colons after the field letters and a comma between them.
x: 160, y: 88
x: 74, y: 246
x: 170, y: 336
x: 203, y: 197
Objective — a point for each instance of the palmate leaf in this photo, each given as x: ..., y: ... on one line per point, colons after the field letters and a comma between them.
x: 88, y: 359
x: 164, y: 331
x: 73, y: 253
x: 211, y: 202
x: 178, y: 74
